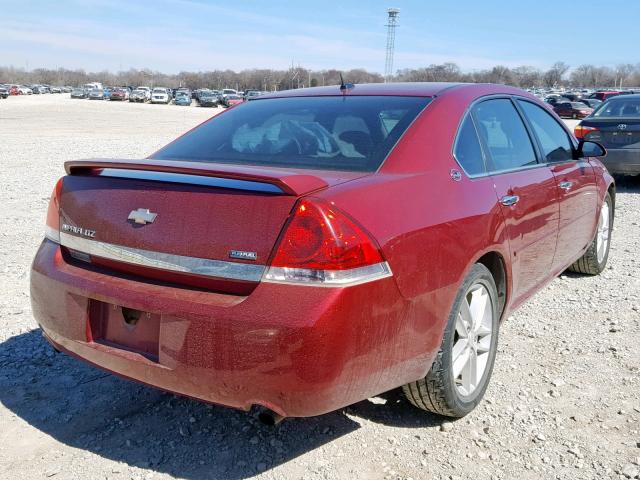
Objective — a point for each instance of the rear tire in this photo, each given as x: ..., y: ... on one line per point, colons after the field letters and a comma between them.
x: 595, y: 258
x: 452, y: 387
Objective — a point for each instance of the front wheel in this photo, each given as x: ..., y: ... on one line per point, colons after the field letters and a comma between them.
x: 460, y: 373
x: 595, y: 258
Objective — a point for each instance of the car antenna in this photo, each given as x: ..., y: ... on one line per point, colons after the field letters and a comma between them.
x: 345, y: 86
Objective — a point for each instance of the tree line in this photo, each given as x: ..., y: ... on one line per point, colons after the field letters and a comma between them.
x: 559, y: 74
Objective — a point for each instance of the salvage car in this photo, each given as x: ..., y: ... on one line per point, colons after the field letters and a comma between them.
x: 616, y: 124
x: 591, y: 102
x: 121, y: 94
x: 183, y: 97
x: 140, y: 94
x: 231, y: 100
x: 572, y: 110
x: 98, y: 94
x: 161, y: 95
x: 78, y: 93
x: 315, y: 247
x: 208, y: 99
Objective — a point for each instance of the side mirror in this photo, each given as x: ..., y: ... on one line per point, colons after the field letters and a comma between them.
x: 590, y: 149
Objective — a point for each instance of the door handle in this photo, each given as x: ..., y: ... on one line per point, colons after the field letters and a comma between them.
x: 509, y: 200
x: 566, y: 186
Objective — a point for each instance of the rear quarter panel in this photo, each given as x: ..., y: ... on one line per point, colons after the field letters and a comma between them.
x: 431, y: 229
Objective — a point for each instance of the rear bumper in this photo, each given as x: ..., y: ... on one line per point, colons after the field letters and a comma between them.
x: 622, y: 161
x: 300, y: 351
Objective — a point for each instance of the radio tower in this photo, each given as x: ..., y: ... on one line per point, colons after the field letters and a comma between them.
x: 391, y: 38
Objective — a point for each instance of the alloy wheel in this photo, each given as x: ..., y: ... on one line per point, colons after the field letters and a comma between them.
x: 472, y: 339
x: 602, y: 236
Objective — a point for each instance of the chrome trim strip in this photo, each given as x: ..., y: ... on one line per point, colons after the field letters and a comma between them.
x: 188, y: 179
x: 164, y: 261
x: 52, y: 234
x: 327, y: 278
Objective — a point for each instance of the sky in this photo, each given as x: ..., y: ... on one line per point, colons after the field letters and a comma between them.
x: 198, y: 35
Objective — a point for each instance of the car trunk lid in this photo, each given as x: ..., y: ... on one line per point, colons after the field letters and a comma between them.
x: 210, y: 226
x: 614, y: 132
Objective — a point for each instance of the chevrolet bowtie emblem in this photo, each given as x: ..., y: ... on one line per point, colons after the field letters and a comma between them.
x: 142, y: 216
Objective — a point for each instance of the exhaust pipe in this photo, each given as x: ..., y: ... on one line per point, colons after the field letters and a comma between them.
x: 270, y: 418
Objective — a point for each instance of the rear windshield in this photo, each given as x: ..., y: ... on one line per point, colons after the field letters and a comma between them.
x: 353, y: 133
x: 619, y: 107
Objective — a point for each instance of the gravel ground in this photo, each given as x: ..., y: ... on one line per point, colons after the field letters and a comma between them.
x: 564, y: 401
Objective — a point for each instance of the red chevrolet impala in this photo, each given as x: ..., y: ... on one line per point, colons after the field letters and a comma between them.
x: 312, y: 248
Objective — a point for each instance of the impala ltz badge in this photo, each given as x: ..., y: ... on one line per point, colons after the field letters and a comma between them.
x: 142, y: 216
x: 243, y: 255
x: 85, y: 232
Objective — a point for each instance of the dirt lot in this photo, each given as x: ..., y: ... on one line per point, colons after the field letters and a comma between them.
x: 564, y: 401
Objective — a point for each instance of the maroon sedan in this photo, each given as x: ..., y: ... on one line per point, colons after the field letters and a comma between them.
x: 572, y: 109
x: 312, y: 248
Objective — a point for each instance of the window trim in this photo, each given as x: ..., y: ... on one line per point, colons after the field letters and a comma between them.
x: 563, y: 126
x: 514, y: 98
x: 527, y: 128
x: 467, y: 114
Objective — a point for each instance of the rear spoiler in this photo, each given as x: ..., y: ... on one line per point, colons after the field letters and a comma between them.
x: 289, y: 183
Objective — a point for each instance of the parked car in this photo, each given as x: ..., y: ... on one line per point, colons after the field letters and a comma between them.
x: 4, y: 91
x: 24, y: 90
x: 208, y: 99
x: 572, y: 109
x: 55, y: 90
x: 591, y: 102
x: 160, y: 95
x: 121, y: 94
x: 231, y: 100
x: 295, y: 269
x: 616, y: 124
x: 251, y: 94
x: 140, y: 94
x: 96, y: 94
x: 78, y: 92
x: 604, y: 95
x: 573, y: 96
x: 183, y: 97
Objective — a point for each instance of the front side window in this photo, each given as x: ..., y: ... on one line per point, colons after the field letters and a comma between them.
x: 554, y: 140
x: 503, y: 132
x: 353, y: 133
x: 468, y: 151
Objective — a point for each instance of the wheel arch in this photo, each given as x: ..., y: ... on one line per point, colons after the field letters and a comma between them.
x: 495, y: 263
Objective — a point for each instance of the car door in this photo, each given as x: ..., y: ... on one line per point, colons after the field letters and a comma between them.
x: 576, y: 184
x: 525, y: 189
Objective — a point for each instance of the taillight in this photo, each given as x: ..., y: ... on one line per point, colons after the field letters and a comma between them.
x: 582, y: 131
x: 323, y: 246
x: 52, y: 230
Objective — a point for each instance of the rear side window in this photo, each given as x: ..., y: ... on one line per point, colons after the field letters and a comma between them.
x: 556, y: 146
x: 503, y: 132
x: 354, y: 133
x: 619, y: 107
x: 468, y: 151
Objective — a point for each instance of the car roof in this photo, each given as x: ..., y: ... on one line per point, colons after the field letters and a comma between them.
x: 414, y: 89
x: 408, y: 89
x: 634, y: 96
